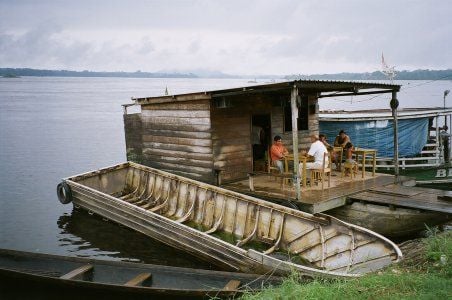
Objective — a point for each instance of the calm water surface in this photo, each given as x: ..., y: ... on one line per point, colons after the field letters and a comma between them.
x: 51, y: 128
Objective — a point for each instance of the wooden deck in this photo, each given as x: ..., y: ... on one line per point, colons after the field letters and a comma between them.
x: 377, y: 189
x: 412, y: 197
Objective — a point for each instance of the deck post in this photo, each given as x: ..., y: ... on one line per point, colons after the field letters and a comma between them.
x: 450, y: 137
x: 394, y: 104
x: 294, y: 108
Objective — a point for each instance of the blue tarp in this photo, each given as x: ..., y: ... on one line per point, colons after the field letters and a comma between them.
x: 380, y: 135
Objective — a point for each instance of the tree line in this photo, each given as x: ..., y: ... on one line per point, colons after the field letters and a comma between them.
x: 377, y: 75
x: 15, y: 72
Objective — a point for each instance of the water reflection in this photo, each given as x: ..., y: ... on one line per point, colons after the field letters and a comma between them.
x: 88, y: 235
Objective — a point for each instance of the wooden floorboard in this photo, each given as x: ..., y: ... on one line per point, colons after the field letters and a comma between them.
x: 378, y: 189
x: 313, y: 199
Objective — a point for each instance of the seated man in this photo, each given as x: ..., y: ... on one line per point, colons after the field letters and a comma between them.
x: 341, y: 140
x: 277, y: 153
x: 317, y: 150
x: 348, y: 149
x: 323, y: 139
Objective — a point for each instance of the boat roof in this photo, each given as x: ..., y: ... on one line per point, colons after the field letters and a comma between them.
x: 382, y: 114
x: 323, y: 88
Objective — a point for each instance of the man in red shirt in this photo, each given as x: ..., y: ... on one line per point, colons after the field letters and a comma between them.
x: 278, y: 152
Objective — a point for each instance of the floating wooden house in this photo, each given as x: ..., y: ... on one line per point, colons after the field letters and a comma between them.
x: 199, y: 135
x: 208, y: 136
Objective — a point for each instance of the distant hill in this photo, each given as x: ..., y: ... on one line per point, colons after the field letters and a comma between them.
x: 66, y: 73
x: 401, y: 75
x: 377, y: 75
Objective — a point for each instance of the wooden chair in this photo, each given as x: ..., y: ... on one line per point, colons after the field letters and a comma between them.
x: 270, y: 167
x: 320, y: 174
x: 350, y: 167
x: 337, y: 154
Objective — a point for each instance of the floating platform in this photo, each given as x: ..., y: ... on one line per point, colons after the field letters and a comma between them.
x: 374, y: 202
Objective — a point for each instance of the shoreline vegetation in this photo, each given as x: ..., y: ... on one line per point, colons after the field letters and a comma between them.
x: 376, y: 75
x: 424, y: 273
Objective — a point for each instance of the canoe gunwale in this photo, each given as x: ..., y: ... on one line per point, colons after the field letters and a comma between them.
x: 324, y: 219
x: 163, y: 224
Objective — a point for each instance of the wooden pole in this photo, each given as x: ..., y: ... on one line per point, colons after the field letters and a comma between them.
x: 394, y: 104
x: 294, y: 108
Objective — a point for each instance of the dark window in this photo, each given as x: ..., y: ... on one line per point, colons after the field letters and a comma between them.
x: 303, y: 114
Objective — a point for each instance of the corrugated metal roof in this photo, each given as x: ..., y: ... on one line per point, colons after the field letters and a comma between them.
x: 310, y: 86
x: 382, y: 114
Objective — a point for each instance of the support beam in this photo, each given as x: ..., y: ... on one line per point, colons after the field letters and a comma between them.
x: 394, y: 105
x: 294, y: 107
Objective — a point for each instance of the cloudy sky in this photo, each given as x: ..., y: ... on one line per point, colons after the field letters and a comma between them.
x: 235, y: 37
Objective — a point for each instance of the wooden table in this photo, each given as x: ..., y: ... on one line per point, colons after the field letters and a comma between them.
x: 302, y: 158
x: 366, y: 152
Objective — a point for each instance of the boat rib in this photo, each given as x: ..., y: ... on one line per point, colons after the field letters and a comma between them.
x: 165, y: 202
x: 276, y: 245
x: 219, y: 221
x: 253, y: 233
x: 352, y: 249
x: 190, y: 211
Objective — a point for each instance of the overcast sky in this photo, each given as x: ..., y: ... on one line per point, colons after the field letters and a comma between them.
x: 235, y: 37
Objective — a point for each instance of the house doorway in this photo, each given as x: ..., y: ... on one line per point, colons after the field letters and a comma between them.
x: 260, y: 140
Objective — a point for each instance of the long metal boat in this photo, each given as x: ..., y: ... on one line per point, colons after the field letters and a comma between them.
x: 232, y: 230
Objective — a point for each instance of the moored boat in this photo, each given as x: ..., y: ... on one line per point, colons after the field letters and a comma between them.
x: 232, y: 230
x: 394, y: 222
x: 36, y: 275
x: 424, y: 146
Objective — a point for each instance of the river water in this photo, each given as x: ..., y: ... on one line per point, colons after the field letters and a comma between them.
x: 54, y: 127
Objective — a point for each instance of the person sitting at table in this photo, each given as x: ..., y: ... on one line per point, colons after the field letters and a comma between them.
x: 334, y: 155
x: 348, y: 149
x: 277, y: 153
x: 323, y: 139
x: 340, y: 141
x: 317, y: 151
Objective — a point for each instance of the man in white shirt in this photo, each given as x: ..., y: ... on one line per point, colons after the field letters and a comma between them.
x: 317, y: 150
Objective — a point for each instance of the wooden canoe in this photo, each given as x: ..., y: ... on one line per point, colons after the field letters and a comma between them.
x: 36, y: 275
x: 234, y: 231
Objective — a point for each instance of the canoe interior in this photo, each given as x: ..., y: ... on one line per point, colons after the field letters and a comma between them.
x: 44, y: 270
x: 319, y: 242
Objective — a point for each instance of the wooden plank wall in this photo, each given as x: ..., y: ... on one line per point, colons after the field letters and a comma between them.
x: 231, y: 133
x: 231, y: 139
x: 304, y: 141
x: 133, y: 135
x: 193, y: 138
x: 177, y: 138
